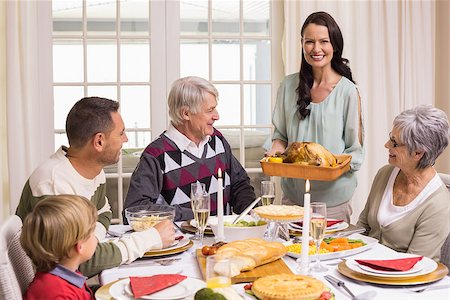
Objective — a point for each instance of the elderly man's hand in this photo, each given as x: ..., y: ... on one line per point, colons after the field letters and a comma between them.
x: 167, y: 232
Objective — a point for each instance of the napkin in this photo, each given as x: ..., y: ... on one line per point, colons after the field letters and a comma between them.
x: 402, y: 264
x: 329, y: 222
x: 141, y: 286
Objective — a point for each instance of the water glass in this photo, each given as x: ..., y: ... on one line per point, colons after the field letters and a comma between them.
x: 218, y: 272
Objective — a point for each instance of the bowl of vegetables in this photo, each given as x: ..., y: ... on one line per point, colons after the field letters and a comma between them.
x: 247, y: 227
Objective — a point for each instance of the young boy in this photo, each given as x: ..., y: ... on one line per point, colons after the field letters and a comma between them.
x: 58, y: 236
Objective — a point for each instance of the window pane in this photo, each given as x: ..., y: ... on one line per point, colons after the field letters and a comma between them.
x: 225, y: 17
x: 101, y: 17
x: 67, y: 17
x: 136, y: 140
x: 101, y: 60
x: 225, y: 60
x: 194, y: 58
x: 256, y: 17
x: 60, y: 139
x: 257, y: 59
x: 256, y: 142
x: 109, y: 92
x: 194, y: 17
x: 64, y: 98
x: 68, y: 61
x: 135, y: 61
x: 257, y: 104
x: 135, y: 106
x: 134, y: 17
x: 229, y: 104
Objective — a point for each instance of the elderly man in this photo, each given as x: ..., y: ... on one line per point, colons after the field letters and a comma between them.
x: 190, y: 150
x: 96, y: 132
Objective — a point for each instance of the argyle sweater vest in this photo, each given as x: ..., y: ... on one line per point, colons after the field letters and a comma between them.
x: 180, y: 169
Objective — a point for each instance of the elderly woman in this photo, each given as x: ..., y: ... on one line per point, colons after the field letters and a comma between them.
x: 408, y: 208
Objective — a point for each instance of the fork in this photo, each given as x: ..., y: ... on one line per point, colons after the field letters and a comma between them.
x: 433, y: 287
x: 339, y: 283
x: 166, y: 262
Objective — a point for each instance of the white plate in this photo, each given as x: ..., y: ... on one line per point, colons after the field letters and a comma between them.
x: 334, y: 227
x: 370, y: 242
x: 417, y: 267
x: 424, y: 266
x: 121, y: 290
x: 181, y: 243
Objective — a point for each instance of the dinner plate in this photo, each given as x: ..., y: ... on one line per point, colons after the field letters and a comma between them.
x: 440, y: 272
x: 370, y: 242
x: 332, y: 228
x: 417, y: 267
x: 425, y: 265
x: 182, y: 246
x: 121, y: 290
x: 193, y: 223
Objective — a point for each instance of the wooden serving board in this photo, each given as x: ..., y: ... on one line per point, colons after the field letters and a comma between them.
x: 273, y: 268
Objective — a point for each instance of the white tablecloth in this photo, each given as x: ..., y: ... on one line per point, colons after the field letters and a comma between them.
x: 188, y: 266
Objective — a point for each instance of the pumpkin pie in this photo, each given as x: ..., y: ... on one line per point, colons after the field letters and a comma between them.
x: 279, y: 212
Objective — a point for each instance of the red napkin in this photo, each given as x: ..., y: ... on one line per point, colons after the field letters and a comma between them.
x: 402, y: 264
x: 329, y: 222
x: 141, y: 286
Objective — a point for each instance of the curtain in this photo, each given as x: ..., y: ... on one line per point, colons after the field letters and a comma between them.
x: 29, y: 97
x: 4, y: 187
x: 390, y: 45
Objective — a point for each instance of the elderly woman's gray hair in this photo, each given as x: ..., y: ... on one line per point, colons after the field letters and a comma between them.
x: 424, y: 129
x: 188, y: 92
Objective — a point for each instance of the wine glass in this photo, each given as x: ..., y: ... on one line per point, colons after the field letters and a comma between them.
x: 201, y: 208
x: 317, y: 229
x: 267, y: 192
x: 197, y: 188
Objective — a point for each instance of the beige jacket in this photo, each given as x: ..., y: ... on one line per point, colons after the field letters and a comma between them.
x: 423, y: 231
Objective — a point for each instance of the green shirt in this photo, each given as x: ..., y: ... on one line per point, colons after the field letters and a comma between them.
x: 333, y: 123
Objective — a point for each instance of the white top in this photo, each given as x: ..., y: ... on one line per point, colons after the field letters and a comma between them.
x: 183, y: 143
x: 389, y: 213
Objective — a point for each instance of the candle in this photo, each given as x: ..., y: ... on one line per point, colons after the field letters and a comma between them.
x: 305, y: 230
x: 220, y: 236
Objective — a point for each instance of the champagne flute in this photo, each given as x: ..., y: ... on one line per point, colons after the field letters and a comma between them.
x: 201, y: 209
x: 267, y: 192
x: 197, y: 188
x: 317, y: 229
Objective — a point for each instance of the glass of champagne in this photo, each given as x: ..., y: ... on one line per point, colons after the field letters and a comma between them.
x: 267, y: 192
x: 317, y: 229
x: 201, y: 209
x: 197, y: 189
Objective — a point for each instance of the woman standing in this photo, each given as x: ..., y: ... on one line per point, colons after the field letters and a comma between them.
x: 321, y: 104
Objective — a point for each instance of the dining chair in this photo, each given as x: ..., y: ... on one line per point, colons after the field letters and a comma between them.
x: 445, y: 250
x: 16, y: 268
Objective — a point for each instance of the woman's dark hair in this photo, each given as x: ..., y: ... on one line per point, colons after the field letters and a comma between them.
x: 338, y: 63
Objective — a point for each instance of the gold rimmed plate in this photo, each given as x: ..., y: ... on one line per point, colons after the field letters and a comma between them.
x: 182, y: 246
x: 188, y: 227
x: 440, y: 272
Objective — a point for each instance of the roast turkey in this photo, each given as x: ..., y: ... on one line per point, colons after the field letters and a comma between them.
x: 310, y: 154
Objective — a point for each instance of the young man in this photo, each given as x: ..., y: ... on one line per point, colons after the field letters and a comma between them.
x: 96, y: 132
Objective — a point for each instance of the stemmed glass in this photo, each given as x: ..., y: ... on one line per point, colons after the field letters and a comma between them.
x: 267, y: 198
x: 201, y: 208
x: 317, y: 229
x: 197, y: 189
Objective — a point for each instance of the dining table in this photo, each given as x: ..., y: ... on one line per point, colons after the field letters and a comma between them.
x: 185, y: 263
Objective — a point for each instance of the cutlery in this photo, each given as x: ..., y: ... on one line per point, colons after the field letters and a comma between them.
x: 146, y: 262
x: 433, y: 287
x: 339, y: 283
x: 246, y: 210
x: 344, y: 233
x: 118, y: 234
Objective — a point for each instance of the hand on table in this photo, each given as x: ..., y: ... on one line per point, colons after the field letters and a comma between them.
x: 167, y: 232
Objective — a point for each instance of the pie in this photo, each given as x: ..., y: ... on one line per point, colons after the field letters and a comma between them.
x: 287, y: 287
x: 279, y: 212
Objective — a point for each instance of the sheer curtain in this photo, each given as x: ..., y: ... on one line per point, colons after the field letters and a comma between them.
x: 391, y: 48
x: 29, y: 96
x: 4, y: 186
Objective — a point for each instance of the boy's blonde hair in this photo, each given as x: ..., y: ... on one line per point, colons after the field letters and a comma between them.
x: 54, y: 227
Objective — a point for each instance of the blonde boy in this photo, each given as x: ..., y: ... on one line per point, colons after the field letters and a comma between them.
x: 58, y: 236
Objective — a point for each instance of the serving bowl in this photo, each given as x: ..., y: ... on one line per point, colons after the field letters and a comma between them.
x: 240, y: 231
x: 144, y: 217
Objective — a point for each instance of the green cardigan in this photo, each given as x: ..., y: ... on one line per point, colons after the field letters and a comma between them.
x: 423, y: 231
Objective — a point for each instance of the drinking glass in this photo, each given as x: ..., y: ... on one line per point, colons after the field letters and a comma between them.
x: 197, y: 188
x: 218, y: 272
x: 317, y: 229
x: 267, y: 192
x: 201, y: 208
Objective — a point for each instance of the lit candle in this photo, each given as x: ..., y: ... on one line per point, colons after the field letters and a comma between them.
x: 305, y: 230
x: 220, y: 235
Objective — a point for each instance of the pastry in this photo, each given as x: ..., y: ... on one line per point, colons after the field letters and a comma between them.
x: 287, y: 287
x: 279, y: 212
x: 248, y: 254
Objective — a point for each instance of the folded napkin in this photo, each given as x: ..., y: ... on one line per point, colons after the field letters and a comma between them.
x: 141, y: 286
x: 402, y: 264
x: 329, y: 222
